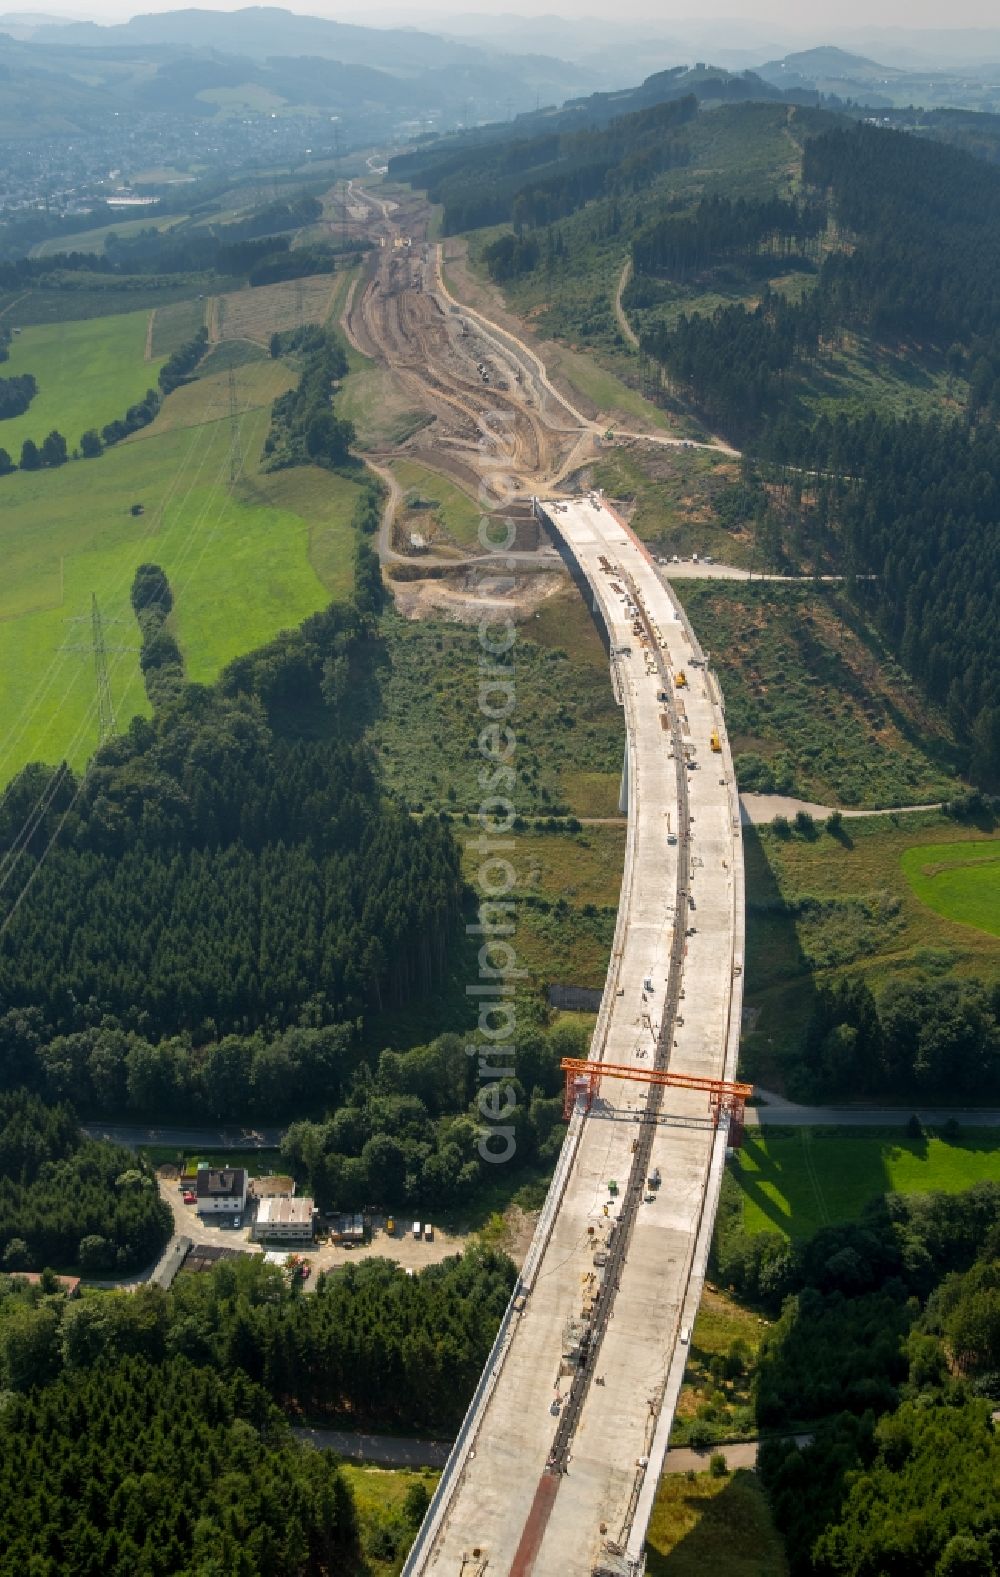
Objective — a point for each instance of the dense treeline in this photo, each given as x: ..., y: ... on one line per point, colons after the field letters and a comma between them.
x: 408, y: 1133
x: 909, y: 1240
x: 720, y: 228
x: 936, y: 1038
x: 912, y: 503
x: 67, y: 1200
x: 16, y: 394
x: 303, y: 424
x: 132, y: 1466
x: 179, y: 366
x: 919, y: 262
x: 541, y: 179
x: 212, y: 876
x: 929, y: 222
x: 916, y: 504
x: 369, y: 1340
x: 106, y: 1069
x: 273, y: 218
x: 160, y: 657
x: 888, y: 1348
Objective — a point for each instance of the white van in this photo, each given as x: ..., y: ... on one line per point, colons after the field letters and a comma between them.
x: 416, y: 1229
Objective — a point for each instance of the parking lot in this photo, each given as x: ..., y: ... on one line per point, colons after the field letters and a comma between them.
x: 411, y: 1253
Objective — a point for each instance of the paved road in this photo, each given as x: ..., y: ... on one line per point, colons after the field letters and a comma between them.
x: 739, y: 1453
x: 397, y: 1451
x: 779, y: 1112
x: 204, y: 1138
x: 387, y: 1450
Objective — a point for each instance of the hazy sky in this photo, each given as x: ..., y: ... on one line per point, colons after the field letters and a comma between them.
x: 815, y: 19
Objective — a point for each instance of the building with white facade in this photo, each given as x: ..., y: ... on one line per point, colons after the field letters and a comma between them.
x: 220, y: 1191
x: 284, y: 1220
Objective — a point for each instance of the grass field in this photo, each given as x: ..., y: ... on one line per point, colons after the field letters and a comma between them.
x: 962, y: 883
x: 724, y: 1407
x: 713, y: 1525
x: 795, y: 1181
x: 372, y: 399
x: 88, y: 373
x: 102, y: 296
x: 815, y: 705
x: 243, y: 563
x: 436, y: 504
x: 94, y: 240
x: 821, y: 908
x: 379, y: 1494
x: 568, y: 884
x: 175, y: 324
x: 427, y: 729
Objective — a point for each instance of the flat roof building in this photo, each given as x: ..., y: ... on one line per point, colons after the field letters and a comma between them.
x: 290, y: 1220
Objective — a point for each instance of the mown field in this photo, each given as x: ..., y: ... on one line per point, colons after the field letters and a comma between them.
x: 816, y: 706
x: 244, y: 562
x: 962, y: 882
x: 822, y: 907
x: 88, y: 373
x: 795, y: 1181
x: 257, y: 314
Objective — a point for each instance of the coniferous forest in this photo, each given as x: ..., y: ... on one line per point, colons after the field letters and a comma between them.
x: 912, y: 503
x: 66, y: 1200
x: 215, y: 874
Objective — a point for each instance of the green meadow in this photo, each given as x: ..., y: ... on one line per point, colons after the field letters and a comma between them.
x: 795, y: 1181
x: 244, y: 562
x: 960, y: 882
x: 88, y: 374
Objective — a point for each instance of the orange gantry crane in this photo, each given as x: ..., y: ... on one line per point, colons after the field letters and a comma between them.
x: 584, y: 1078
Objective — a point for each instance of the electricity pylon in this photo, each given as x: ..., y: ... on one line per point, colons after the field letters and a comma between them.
x: 98, y: 648
x: 235, y: 444
x: 105, y: 703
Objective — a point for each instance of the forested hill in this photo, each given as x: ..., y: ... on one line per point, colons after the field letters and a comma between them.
x: 912, y: 265
x: 910, y: 260
x: 535, y: 181
x: 213, y: 874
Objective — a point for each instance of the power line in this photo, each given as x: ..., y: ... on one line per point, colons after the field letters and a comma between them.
x: 13, y: 855
x: 105, y: 703
x: 235, y: 434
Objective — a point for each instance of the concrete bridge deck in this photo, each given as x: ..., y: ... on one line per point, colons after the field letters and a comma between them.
x: 556, y: 1466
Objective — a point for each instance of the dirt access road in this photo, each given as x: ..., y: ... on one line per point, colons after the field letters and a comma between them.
x: 498, y: 416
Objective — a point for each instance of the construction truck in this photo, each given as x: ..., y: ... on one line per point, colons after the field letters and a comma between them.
x: 715, y: 741
x: 680, y: 679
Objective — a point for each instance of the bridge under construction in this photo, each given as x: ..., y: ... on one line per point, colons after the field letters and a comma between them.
x: 557, y: 1463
